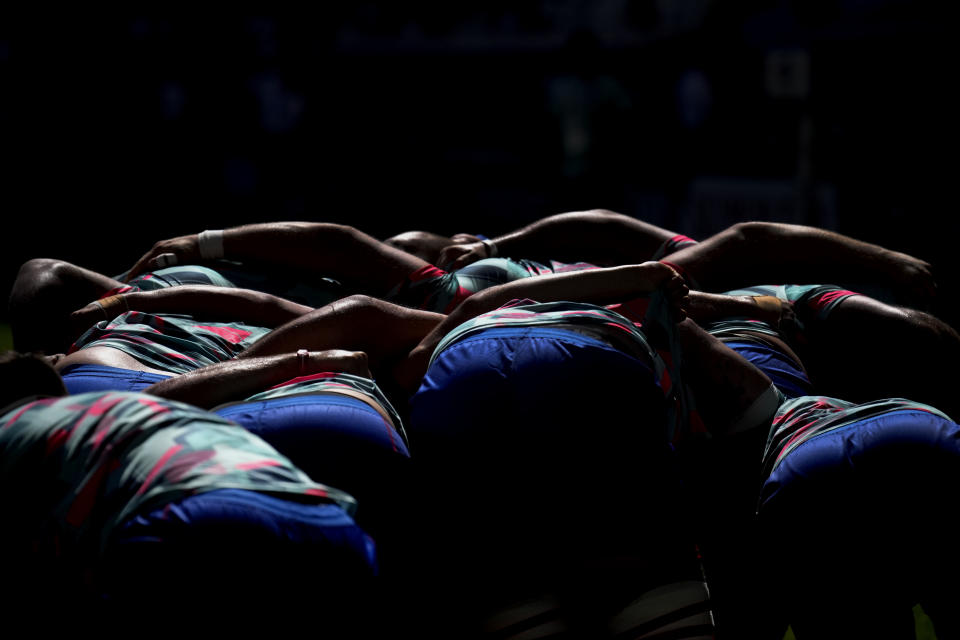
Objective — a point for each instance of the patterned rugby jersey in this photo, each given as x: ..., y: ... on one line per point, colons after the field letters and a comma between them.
x: 434, y: 289
x: 800, y: 419
x: 77, y: 467
x: 312, y: 291
x: 169, y: 342
x: 818, y: 299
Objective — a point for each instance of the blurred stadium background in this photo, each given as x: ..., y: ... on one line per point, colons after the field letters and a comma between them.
x: 121, y: 128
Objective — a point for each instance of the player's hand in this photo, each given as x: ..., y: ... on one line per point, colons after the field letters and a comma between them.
x: 183, y: 249
x: 665, y: 278
x: 457, y: 256
x: 678, y: 295
x: 789, y: 325
x: 913, y: 278
x: 84, y: 318
x: 105, y: 309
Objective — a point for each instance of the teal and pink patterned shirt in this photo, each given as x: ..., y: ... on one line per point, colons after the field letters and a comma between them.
x: 171, y: 343
x: 174, y: 277
x: 76, y: 467
x: 315, y: 293
x: 819, y: 299
x: 434, y: 289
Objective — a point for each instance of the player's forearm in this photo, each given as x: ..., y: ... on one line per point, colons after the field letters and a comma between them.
x: 599, y: 286
x: 241, y: 378
x: 228, y: 381
x: 325, y: 249
x: 761, y: 252
x: 599, y: 236
x: 283, y: 243
x: 217, y: 303
x: 383, y: 330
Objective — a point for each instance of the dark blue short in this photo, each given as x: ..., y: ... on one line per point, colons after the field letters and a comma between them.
x: 337, y: 440
x: 247, y: 531
x: 310, y: 429
x: 81, y: 378
x: 901, y: 452
x: 859, y: 522
x: 560, y: 435
x: 782, y: 370
x: 523, y: 375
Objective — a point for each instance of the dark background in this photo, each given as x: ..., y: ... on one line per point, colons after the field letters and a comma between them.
x: 120, y: 129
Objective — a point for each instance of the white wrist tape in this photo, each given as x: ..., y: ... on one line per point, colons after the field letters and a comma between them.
x: 491, y: 248
x: 165, y: 260
x: 210, y: 244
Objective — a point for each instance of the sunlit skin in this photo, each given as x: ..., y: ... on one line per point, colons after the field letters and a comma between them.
x: 54, y: 359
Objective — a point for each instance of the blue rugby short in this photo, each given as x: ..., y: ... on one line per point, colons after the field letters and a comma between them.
x: 782, y: 370
x: 558, y: 438
x: 860, y: 518
x: 547, y: 384
x: 320, y: 431
x: 237, y: 545
x: 870, y: 462
x: 81, y: 378
x: 339, y: 441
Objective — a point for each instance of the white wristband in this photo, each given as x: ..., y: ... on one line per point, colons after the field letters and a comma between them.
x: 210, y: 244
x: 491, y: 248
